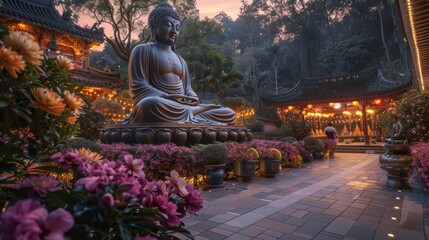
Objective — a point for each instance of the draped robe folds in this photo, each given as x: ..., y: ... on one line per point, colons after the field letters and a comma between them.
x: 148, y: 88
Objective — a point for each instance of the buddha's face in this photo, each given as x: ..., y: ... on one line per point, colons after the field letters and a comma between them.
x: 167, y: 30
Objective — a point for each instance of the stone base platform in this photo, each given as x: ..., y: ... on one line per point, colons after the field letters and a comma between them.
x: 180, y: 134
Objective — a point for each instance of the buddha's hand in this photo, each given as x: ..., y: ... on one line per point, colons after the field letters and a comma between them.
x: 183, y: 99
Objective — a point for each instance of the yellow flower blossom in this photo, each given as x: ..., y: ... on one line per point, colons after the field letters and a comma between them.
x: 48, y: 100
x: 11, y: 61
x: 73, y: 101
x: 64, y: 62
x: 89, y: 155
x: 25, y: 45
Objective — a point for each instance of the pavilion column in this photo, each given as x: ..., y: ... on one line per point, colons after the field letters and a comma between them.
x: 365, y: 124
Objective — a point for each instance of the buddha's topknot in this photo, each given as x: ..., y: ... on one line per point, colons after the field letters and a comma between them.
x: 160, y: 11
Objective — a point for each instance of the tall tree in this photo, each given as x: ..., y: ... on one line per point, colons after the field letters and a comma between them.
x: 126, y: 18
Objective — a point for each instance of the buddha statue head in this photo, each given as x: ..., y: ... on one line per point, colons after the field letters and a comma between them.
x: 164, y: 23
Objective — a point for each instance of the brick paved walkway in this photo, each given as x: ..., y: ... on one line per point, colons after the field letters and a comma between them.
x: 340, y: 198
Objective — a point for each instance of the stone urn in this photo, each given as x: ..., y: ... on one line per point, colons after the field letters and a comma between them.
x: 214, y: 175
x: 397, y: 163
x: 244, y: 170
x: 269, y: 167
x: 318, y: 155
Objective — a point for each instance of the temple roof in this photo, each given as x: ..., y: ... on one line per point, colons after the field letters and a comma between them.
x: 367, y: 84
x: 43, y: 13
x: 415, y: 23
x: 97, y: 78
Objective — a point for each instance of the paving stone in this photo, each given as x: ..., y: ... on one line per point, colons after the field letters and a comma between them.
x: 375, y: 211
x: 320, y: 217
x: 228, y: 228
x: 340, y: 226
x: 278, y: 216
x: 273, y: 233
x: 275, y: 225
x: 310, y: 229
x: 296, y: 221
x: 238, y: 236
x: 221, y: 231
x: 212, y: 235
x: 408, y: 234
x: 206, y: 225
x: 299, y: 213
x: 325, y: 237
x: 251, y: 231
x: 334, y: 212
x: 292, y: 237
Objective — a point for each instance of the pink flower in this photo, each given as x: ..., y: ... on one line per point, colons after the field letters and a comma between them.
x: 169, y: 209
x: 135, y: 165
x: 28, y: 219
x: 40, y: 184
x: 194, y: 200
x: 89, y: 183
x: 67, y: 159
x: 177, y: 184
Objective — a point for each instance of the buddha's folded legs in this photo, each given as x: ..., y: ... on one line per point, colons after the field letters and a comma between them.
x: 157, y: 109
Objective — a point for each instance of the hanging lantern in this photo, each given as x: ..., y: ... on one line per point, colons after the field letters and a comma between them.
x: 304, y: 113
x: 355, y: 103
x: 309, y: 106
x: 290, y: 108
x: 331, y: 104
x: 377, y: 101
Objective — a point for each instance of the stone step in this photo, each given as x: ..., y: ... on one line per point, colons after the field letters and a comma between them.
x: 377, y: 149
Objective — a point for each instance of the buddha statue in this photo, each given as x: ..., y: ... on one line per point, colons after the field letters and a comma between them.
x: 159, y: 80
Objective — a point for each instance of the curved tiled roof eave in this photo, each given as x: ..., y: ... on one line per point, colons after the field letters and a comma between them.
x: 46, y: 17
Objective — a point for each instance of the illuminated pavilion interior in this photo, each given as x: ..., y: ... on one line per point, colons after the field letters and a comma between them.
x: 341, y: 100
x: 58, y: 35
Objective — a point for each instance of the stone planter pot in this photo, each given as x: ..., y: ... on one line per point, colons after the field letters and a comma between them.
x: 307, y: 158
x: 318, y: 155
x: 397, y: 163
x: 215, y: 175
x: 244, y: 170
x: 269, y: 167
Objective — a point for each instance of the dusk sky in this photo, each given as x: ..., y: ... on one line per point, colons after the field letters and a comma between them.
x: 209, y: 8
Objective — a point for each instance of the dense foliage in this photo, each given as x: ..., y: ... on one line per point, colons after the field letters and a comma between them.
x: 74, y: 194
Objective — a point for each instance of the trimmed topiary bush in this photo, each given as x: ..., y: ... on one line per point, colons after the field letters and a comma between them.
x: 214, y: 154
x: 78, y: 142
x: 313, y: 144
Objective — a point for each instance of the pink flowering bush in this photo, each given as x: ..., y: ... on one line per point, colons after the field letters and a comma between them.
x: 420, y: 152
x: 159, y: 160
x: 330, y: 144
x: 28, y: 219
x: 288, y: 151
x: 236, y: 152
x: 413, y: 114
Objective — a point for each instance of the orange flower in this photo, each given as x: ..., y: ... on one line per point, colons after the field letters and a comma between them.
x: 89, y: 155
x: 73, y: 101
x: 48, y: 100
x: 24, y: 44
x: 64, y: 62
x: 11, y: 61
x: 72, y: 118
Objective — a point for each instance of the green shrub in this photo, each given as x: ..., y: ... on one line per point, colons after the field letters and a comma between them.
x: 214, y: 154
x: 79, y: 142
x: 313, y: 144
x: 255, y: 126
x: 296, y: 127
x: 91, y: 122
x: 288, y: 139
x: 275, y: 134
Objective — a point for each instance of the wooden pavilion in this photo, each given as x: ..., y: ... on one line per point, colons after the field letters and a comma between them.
x: 58, y: 35
x: 415, y: 22
x: 332, y: 97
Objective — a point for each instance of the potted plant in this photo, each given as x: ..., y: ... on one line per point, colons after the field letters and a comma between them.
x: 214, y: 157
x: 269, y: 161
x: 244, y: 161
x: 330, y: 146
x: 315, y: 146
x: 306, y: 154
